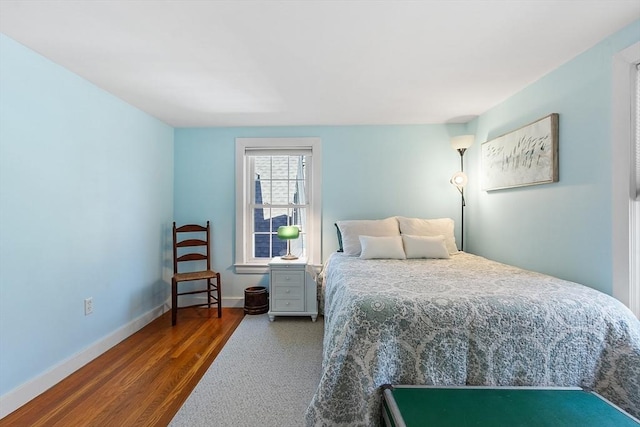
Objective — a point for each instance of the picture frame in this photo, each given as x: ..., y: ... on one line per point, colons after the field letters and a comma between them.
x: 526, y: 156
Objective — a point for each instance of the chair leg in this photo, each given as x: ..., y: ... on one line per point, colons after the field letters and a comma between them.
x: 219, y: 294
x: 174, y: 301
x: 209, y: 290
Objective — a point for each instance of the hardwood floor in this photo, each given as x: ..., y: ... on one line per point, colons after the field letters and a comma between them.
x: 142, y: 381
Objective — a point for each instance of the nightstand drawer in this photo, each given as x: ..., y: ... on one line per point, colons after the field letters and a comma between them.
x: 289, y: 305
x: 288, y: 278
x: 288, y: 292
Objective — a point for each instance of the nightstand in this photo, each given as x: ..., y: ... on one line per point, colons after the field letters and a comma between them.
x: 292, y: 291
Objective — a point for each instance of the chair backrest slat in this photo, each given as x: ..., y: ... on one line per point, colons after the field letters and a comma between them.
x: 191, y: 228
x: 191, y: 242
x: 192, y: 257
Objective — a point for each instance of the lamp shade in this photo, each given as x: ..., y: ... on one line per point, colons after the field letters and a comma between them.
x: 462, y: 142
x: 459, y: 179
x: 288, y: 232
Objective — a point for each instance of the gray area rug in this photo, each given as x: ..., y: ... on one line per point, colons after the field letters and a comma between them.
x: 265, y: 375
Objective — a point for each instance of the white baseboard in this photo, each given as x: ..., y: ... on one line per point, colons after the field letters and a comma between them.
x: 234, y: 302
x: 22, y: 394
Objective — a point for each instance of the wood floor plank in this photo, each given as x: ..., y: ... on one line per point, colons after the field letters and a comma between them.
x: 142, y: 381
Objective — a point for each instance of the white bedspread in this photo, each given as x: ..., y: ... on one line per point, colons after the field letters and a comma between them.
x: 465, y: 320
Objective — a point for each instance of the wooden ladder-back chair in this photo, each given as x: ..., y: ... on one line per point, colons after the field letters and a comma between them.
x: 197, y: 249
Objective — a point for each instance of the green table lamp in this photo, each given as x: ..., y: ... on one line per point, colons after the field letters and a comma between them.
x: 288, y: 232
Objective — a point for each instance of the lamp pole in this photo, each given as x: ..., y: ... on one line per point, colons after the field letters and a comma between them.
x: 460, y: 144
x: 461, y: 151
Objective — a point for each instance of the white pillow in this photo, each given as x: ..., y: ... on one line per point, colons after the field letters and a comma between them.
x: 382, y: 247
x: 425, y: 246
x: 430, y: 227
x: 351, y: 230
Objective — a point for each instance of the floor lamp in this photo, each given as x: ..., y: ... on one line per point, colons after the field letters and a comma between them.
x: 459, y: 179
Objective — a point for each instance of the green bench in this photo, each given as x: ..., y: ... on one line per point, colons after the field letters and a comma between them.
x: 416, y: 406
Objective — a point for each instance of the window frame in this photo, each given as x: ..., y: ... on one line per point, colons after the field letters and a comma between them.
x: 245, y: 263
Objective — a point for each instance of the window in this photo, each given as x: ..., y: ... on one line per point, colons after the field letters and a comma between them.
x: 625, y: 174
x: 634, y: 291
x: 277, y: 183
x: 277, y: 198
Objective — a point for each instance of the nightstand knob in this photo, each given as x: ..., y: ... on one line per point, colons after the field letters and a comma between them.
x: 287, y: 291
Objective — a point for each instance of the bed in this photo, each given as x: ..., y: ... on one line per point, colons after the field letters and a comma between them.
x: 464, y: 320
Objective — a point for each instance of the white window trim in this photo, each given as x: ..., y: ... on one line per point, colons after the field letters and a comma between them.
x: 243, y: 194
x: 625, y: 248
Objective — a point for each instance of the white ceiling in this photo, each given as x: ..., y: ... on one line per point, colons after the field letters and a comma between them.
x: 250, y: 63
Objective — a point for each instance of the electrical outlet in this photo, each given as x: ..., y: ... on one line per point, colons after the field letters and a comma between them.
x: 88, y: 306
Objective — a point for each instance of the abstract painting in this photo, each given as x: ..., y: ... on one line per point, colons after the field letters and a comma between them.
x: 527, y: 156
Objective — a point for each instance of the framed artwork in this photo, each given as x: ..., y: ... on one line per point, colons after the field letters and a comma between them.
x: 527, y: 156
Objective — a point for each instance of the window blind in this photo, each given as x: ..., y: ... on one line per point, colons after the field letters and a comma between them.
x: 636, y: 169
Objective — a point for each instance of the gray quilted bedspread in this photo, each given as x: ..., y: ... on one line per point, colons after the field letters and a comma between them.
x: 465, y: 320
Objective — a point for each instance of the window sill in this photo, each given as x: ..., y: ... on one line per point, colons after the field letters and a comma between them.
x: 251, y: 268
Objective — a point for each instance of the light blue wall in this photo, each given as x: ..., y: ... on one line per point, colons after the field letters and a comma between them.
x: 85, y: 204
x: 564, y: 228
x: 367, y: 172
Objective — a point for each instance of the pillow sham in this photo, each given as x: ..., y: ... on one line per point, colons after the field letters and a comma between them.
x: 350, y: 231
x: 388, y: 247
x: 425, y: 246
x: 430, y: 227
